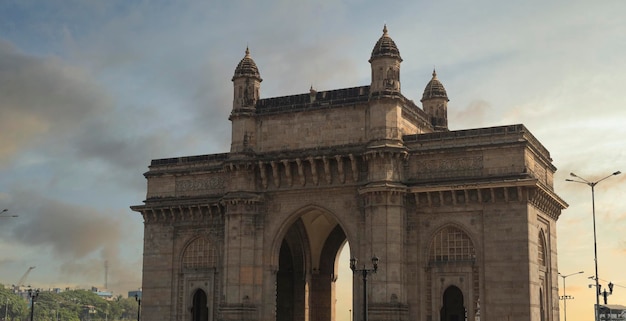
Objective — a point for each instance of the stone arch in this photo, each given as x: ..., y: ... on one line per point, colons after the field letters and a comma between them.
x: 542, y: 249
x: 293, y: 218
x: 304, y: 252
x: 199, y: 260
x: 453, y: 305
x: 199, y: 253
x: 330, y: 252
x: 291, y: 274
x: 543, y: 262
x: 459, y: 245
x: 199, y: 306
x: 450, y: 256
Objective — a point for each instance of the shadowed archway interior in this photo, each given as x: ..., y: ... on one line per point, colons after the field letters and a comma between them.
x: 305, y: 281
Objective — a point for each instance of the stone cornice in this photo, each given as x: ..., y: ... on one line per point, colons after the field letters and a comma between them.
x: 208, y: 212
x: 521, y: 190
x: 246, y: 198
x: 393, y: 149
x: 383, y: 187
x: 311, y: 170
x: 547, y: 201
x: 476, y: 185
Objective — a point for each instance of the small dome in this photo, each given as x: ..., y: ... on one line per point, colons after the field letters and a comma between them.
x: 434, y: 89
x: 247, y: 68
x: 385, y: 47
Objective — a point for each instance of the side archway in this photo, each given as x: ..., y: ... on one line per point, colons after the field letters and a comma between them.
x: 197, y: 287
x: 452, y: 275
x: 543, y: 263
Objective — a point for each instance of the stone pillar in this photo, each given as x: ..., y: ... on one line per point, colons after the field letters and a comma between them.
x: 384, y: 235
x: 320, y: 296
x: 385, y: 229
x: 157, y: 267
x: 242, y: 257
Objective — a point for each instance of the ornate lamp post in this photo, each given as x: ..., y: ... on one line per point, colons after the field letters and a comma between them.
x: 33, y: 296
x: 566, y: 297
x: 138, y: 299
x: 595, y: 244
x: 364, y: 271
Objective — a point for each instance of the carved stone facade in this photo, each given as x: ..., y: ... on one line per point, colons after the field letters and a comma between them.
x: 463, y: 222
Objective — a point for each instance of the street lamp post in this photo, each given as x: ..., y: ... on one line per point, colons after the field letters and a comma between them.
x: 6, y: 309
x: 595, y: 244
x: 33, y: 296
x: 138, y: 299
x: 565, y: 296
x: 364, y: 272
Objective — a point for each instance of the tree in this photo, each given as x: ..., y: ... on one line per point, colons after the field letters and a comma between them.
x: 74, y: 305
x: 12, y: 306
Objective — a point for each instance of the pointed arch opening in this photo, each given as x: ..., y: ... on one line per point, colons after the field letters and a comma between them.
x: 308, y: 269
x: 200, y: 309
x: 453, y: 308
x: 541, y: 250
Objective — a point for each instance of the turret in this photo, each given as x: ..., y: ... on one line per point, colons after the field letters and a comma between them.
x: 435, y: 103
x: 247, y: 83
x: 385, y: 62
x: 246, y: 89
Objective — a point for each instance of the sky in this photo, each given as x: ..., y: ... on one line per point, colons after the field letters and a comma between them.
x: 91, y: 91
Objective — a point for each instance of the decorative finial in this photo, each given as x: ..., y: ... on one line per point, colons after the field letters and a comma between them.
x: 434, y: 73
x: 247, y: 52
x: 385, y: 30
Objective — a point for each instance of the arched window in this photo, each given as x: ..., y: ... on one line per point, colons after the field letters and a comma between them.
x: 541, y: 253
x: 451, y: 244
x: 199, y: 254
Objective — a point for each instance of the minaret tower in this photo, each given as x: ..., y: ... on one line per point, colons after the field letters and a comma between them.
x: 384, y: 122
x: 246, y: 88
x: 435, y: 102
x: 384, y: 219
x: 385, y: 62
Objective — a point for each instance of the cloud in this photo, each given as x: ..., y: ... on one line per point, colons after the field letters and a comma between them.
x: 476, y: 113
x: 40, y: 98
x: 76, y: 239
x: 69, y: 231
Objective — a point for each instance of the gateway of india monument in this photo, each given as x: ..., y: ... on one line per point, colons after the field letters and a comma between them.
x: 461, y: 224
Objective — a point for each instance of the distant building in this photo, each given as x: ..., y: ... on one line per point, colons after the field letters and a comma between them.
x: 105, y: 294
x: 463, y: 222
x: 612, y: 312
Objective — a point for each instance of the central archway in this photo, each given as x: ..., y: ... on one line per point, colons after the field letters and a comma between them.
x: 308, y: 268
